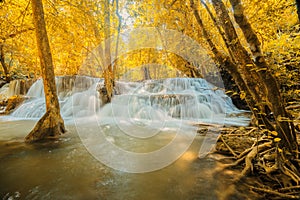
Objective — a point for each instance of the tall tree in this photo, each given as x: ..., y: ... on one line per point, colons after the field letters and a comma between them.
x: 3, y: 64
x: 51, y: 124
x: 272, y: 96
x: 108, y: 72
x: 298, y: 9
x: 252, y: 74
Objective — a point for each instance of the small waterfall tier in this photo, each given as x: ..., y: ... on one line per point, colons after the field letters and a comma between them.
x: 15, y: 87
x: 77, y: 96
x: 179, y: 98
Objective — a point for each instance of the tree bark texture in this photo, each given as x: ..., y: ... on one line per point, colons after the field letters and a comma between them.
x: 51, y: 124
x: 272, y: 92
x: 249, y: 69
x: 3, y: 64
x: 108, y: 71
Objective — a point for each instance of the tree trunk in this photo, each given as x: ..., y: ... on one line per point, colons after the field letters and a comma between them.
x: 51, y: 124
x: 254, y: 77
x: 3, y: 64
x: 229, y: 63
x: 272, y: 94
x: 146, y: 73
x: 298, y: 9
x: 108, y: 71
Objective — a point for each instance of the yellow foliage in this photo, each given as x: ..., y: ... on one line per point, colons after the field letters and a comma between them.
x: 274, y: 133
x: 277, y: 139
x: 75, y: 28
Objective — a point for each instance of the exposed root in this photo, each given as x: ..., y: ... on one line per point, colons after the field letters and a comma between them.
x: 244, y: 134
x: 252, y: 154
x: 50, y: 126
x: 289, y: 188
x: 278, y: 171
x: 228, y: 147
x: 272, y: 192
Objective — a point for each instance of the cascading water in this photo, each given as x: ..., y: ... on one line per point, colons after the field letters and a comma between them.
x: 15, y: 87
x: 77, y: 97
x: 179, y: 98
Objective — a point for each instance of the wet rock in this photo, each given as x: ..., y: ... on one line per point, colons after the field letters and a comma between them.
x: 20, y: 86
x: 103, y: 94
x: 13, y: 102
x: 2, y: 83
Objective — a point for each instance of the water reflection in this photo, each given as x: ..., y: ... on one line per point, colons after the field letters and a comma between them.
x: 65, y: 170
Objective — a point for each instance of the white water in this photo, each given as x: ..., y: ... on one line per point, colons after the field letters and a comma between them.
x: 10, y: 89
x: 77, y: 97
x: 175, y: 98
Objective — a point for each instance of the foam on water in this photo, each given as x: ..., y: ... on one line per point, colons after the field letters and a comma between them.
x: 156, y: 100
x: 77, y: 97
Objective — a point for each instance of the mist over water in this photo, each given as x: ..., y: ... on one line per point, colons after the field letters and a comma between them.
x: 167, y: 99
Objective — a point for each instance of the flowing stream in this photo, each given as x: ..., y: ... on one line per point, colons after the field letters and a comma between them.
x: 143, y: 117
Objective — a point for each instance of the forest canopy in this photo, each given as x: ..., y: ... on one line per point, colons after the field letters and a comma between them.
x: 75, y: 28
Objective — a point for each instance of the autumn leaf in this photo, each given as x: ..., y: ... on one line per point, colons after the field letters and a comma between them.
x: 277, y: 139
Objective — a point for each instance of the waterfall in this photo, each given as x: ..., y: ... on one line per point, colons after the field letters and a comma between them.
x: 19, y: 87
x: 77, y: 97
x: 172, y: 98
x: 179, y: 98
x: 15, y: 87
x: 4, y: 91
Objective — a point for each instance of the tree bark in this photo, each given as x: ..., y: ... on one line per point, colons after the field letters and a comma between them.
x: 51, y: 125
x: 272, y: 94
x: 146, y: 73
x: 108, y: 71
x: 3, y: 64
x: 298, y: 9
x: 230, y: 65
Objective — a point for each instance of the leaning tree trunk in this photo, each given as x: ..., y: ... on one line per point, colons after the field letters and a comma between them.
x: 229, y: 64
x: 51, y: 124
x: 263, y: 87
x: 273, y: 98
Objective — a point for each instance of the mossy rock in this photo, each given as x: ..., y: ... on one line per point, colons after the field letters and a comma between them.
x: 13, y: 102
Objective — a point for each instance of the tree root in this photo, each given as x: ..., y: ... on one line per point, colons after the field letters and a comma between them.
x: 243, y: 134
x: 279, y: 194
x: 50, y: 126
x: 250, y: 156
x: 228, y: 147
x: 289, y: 188
x: 265, y: 158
